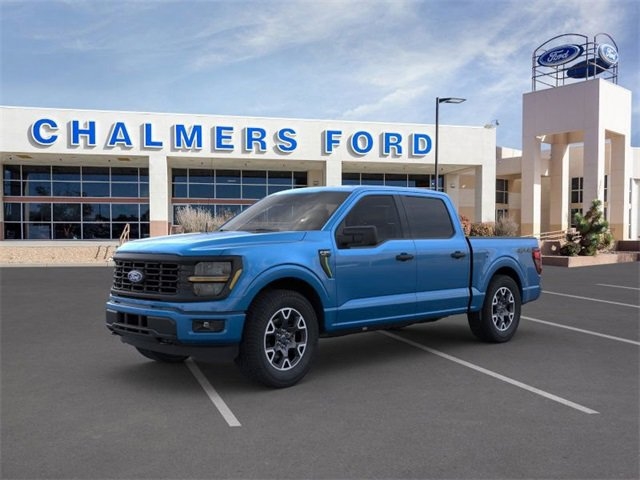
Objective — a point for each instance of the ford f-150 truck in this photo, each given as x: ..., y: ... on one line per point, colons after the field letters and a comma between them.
x: 315, y: 262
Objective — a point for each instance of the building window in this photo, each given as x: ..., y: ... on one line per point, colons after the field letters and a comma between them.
x: 75, y: 202
x: 228, y: 192
x: 501, y: 213
x: 572, y: 221
x: 393, y: 179
x: 576, y: 189
x: 502, y: 191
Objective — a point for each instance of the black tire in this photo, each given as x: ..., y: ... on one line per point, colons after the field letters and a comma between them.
x: 280, y: 339
x: 498, y: 320
x: 162, y: 357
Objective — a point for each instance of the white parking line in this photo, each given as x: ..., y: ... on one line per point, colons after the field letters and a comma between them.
x: 217, y: 400
x: 591, y: 299
x: 490, y: 373
x: 616, y: 286
x: 602, y: 335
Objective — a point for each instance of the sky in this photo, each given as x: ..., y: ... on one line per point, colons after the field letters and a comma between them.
x: 359, y: 60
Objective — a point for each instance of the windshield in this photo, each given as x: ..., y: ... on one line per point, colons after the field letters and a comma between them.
x: 289, y: 212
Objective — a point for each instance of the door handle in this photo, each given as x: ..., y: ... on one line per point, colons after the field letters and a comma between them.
x: 458, y: 254
x: 403, y: 257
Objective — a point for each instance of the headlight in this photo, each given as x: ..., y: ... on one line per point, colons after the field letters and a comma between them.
x: 210, y: 278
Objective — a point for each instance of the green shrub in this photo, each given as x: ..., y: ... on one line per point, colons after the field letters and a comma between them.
x: 592, y: 233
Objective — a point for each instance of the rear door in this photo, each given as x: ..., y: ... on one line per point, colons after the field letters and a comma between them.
x: 442, y: 256
x: 375, y: 283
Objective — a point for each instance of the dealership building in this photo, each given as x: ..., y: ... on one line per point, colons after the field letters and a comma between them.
x: 88, y: 174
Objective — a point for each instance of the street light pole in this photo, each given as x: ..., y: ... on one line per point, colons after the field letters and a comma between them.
x: 438, y: 102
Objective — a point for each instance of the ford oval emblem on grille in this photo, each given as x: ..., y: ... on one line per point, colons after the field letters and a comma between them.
x: 135, y: 276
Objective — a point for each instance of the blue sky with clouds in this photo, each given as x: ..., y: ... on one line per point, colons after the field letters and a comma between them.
x: 362, y: 60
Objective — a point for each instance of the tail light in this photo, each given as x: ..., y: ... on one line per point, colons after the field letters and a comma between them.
x: 537, y: 259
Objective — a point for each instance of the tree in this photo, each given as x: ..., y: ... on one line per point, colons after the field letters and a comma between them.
x: 592, y: 233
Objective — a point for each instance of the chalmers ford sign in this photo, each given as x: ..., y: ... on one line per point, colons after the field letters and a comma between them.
x: 45, y: 132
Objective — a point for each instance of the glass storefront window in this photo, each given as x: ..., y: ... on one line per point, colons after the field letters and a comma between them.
x: 254, y: 177
x: 227, y: 176
x: 372, y: 179
x: 12, y: 188
x: 12, y: 212
x: 66, y: 189
x: 96, y: 231
x: 38, y: 212
x: 11, y: 172
x: 280, y: 178
x: 125, y: 212
x: 95, y: 174
x: 12, y: 231
x: 197, y: 190
x: 38, y: 231
x: 66, y: 212
x: 32, y: 172
x: 95, y: 190
x: 226, y: 191
x: 66, y: 174
x: 97, y: 212
x: 201, y: 176
x: 67, y: 231
x: 254, y: 191
x: 124, y: 174
x: 395, y: 180
x: 38, y: 189
x: 179, y: 175
x: 179, y: 190
x: 129, y: 190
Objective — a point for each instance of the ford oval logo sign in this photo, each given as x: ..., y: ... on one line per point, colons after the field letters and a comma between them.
x: 608, y: 54
x: 560, y: 55
x: 135, y: 276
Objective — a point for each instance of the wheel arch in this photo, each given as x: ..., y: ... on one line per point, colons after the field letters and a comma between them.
x: 303, y: 288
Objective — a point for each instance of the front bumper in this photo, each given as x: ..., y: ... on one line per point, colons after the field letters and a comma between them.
x: 166, y: 328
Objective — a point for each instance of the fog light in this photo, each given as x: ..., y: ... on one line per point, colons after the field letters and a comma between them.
x: 208, y: 326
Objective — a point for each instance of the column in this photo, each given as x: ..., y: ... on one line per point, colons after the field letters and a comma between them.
x: 559, y: 197
x: 619, y: 191
x: 485, y: 192
x: 593, y: 167
x: 531, y: 186
x: 158, y: 195
x: 333, y: 171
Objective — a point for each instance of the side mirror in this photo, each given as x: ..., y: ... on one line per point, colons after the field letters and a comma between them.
x: 358, y: 236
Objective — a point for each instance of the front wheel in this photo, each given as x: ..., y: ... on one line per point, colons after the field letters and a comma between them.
x: 499, y: 317
x: 280, y: 338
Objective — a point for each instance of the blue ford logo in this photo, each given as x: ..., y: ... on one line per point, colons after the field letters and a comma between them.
x: 608, y: 54
x: 560, y: 55
x: 135, y: 276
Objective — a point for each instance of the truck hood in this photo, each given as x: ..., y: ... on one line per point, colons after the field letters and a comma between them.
x: 202, y: 243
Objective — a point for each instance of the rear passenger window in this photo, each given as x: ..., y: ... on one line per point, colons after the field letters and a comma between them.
x: 428, y: 217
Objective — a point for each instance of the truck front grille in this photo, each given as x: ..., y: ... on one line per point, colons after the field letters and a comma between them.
x: 144, y: 277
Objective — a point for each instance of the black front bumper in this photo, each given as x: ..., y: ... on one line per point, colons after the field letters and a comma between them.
x: 158, y: 334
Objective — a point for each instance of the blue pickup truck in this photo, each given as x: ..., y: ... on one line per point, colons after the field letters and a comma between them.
x: 315, y: 262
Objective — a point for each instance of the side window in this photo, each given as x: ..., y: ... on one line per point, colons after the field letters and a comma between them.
x: 428, y: 217
x: 377, y: 211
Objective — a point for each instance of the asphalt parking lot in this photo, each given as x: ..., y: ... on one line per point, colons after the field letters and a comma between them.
x: 560, y: 401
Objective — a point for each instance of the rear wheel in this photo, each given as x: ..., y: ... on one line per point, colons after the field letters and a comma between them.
x: 280, y: 338
x: 499, y: 317
x: 162, y: 357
